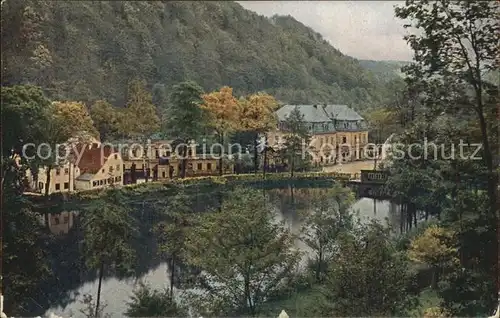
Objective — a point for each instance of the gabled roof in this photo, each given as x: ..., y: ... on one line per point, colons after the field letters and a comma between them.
x: 94, y: 158
x: 320, y: 113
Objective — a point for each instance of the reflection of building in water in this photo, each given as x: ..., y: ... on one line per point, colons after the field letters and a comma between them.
x: 61, y: 223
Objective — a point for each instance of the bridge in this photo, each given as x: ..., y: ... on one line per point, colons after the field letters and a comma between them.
x: 371, y: 184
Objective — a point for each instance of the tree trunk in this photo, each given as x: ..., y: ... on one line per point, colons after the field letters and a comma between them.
x: 221, y: 141
x: 47, y: 183
x: 172, y: 276
x: 318, y: 266
x: 98, y: 300
x: 264, y: 162
x: 292, y: 165
x: 256, y: 155
x: 184, y: 161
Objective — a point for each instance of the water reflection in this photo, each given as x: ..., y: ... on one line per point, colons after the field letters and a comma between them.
x: 290, y: 204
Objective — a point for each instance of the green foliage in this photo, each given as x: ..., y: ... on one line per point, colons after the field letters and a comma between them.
x: 328, y: 219
x: 369, y: 277
x: 24, y: 258
x: 296, y: 141
x: 140, y: 117
x: 107, y: 230
x: 47, y: 43
x: 106, y: 119
x: 454, y: 100
x: 243, y: 254
x: 24, y: 115
x: 185, y: 118
x: 147, y: 302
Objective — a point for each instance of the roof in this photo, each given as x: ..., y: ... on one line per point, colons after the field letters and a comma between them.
x: 92, y: 159
x: 320, y: 113
x: 86, y: 177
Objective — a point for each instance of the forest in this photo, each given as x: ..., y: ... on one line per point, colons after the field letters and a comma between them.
x: 91, y: 50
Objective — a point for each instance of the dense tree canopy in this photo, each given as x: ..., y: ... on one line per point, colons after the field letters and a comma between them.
x: 213, y: 43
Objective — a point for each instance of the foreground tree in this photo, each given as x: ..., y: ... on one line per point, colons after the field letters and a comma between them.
x: 147, y: 302
x: 434, y: 248
x: 108, y: 229
x: 369, y: 277
x: 173, y: 232
x: 23, y: 117
x: 24, y: 261
x: 243, y: 254
x: 330, y: 217
x: 458, y: 43
x: 223, y: 109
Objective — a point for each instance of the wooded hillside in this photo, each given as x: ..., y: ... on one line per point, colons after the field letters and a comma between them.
x: 89, y: 50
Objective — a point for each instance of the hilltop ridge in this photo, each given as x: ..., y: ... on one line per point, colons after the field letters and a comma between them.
x: 92, y: 50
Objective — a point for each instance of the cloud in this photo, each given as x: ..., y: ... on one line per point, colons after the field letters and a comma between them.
x: 362, y: 29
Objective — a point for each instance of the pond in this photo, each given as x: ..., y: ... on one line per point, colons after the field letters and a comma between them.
x: 116, y: 293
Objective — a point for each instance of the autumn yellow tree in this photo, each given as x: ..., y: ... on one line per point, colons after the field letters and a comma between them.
x: 436, y: 312
x: 257, y: 114
x: 223, y: 109
x: 434, y: 248
x: 65, y: 120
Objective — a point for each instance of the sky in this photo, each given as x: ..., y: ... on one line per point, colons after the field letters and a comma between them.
x: 361, y: 29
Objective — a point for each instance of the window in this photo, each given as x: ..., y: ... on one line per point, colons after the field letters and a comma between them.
x: 101, y: 182
x: 110, y: 181
x: 102, y: 170
x: 66, y: 170
x: 168, y: 153
x: 344, y: 139
x: 190, y: 152
x: 116, y: 156
x: 94, y: 183
x: 157, y: 153
x: 116, y: 179
x: 209, y: 166
x: 56, y: 221
x: 355, y: 139
x: 111, y: 169
x: 66, y: 185
x: 58, y: 171
x: 200, y: 166
x: 117, y: 167
x: 40, y: 185
x: 58, y: 186
x: 66, y: 219
x: 163, y: 174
